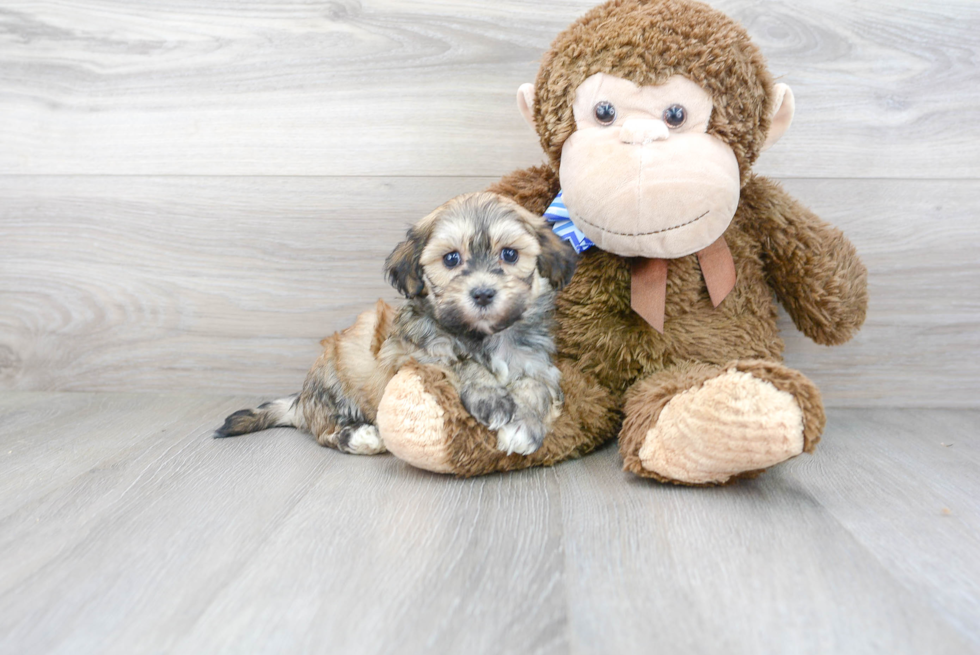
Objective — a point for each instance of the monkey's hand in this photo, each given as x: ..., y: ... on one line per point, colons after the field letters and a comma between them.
x: 814, y: 270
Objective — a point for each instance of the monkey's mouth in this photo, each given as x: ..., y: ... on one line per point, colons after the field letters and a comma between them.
x: 642, y: 234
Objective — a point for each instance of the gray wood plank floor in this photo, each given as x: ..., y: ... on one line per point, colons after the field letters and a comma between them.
x: 125, y: 529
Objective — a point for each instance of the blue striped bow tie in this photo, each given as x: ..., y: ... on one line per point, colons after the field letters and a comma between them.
x: 564, y: 227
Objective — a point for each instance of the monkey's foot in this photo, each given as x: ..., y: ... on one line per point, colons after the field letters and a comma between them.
x: 413, y: 421
x: 423, y: 423
x: 732, y: 422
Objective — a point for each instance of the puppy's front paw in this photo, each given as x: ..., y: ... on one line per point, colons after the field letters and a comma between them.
x: 491, y: 406
x: 520, y: 437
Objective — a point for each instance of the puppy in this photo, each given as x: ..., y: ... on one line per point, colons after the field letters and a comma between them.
x: 480, y: 275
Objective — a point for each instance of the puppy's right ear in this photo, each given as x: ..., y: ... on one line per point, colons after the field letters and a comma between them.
x: 558, y: 258
x: 403, y: 268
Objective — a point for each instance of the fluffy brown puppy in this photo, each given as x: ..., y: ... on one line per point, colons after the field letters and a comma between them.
x: 652, y: 114
x: 479, y: 275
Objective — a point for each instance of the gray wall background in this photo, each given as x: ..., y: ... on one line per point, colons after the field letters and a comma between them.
x: 193, y: 194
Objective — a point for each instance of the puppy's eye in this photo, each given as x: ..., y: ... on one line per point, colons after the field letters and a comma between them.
x: 675, y: 116
x: 605, y: 113
x: 451, y: 260
x: 509, y: 255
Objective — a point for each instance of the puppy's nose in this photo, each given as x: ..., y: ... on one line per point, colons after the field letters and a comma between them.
x: 483, y: 297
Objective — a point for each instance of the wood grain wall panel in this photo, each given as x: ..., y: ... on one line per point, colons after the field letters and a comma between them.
x: 392, y: 87
x: 227, y: 284
x: 921, y: 343
x: 154, y: 283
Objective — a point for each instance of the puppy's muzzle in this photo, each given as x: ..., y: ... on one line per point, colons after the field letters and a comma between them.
x: 483, y: 297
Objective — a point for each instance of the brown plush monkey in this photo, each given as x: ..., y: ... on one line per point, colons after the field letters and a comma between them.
x: 652, y: 113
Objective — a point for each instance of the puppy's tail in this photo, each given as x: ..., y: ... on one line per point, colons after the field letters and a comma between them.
x: 282, y: 413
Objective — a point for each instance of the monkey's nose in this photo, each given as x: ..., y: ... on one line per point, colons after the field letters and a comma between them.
x: 483, y: 297
x: 640, y: 131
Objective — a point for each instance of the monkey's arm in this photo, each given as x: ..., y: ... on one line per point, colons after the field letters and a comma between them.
x: 814, y: 269
x: 533, y: 188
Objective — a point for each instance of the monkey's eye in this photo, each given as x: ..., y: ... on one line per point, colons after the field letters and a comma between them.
x: 605, y: 113
x: 509, y: 255
x: 451, y: 260
x: 675, y: 116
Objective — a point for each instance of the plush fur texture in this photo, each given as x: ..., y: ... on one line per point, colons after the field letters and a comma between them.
x: 646, y: 42
x: 647, y: 399
x: 732, y: 423
x: 615, y: 366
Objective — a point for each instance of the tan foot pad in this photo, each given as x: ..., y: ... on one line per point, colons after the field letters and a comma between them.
x: 411, y: 424
x: 731, y: 424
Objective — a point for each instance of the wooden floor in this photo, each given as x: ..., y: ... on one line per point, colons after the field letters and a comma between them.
x: 124, y: 528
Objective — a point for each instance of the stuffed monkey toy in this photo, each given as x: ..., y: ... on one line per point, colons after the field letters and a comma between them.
x: 651, y: 114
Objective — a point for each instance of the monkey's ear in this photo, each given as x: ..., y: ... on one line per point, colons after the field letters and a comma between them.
x: 558, y: 258
x: 403, y: 267
x: 525, y: 102
x: 782, y: 115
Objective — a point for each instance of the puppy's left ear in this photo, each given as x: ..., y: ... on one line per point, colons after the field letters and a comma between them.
x: 403, y: 268
x: 558, y: 258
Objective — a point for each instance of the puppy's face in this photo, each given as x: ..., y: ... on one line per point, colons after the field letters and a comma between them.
x: 480, y: 260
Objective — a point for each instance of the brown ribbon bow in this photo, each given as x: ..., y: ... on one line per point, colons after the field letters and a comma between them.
x: 649, y: 281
